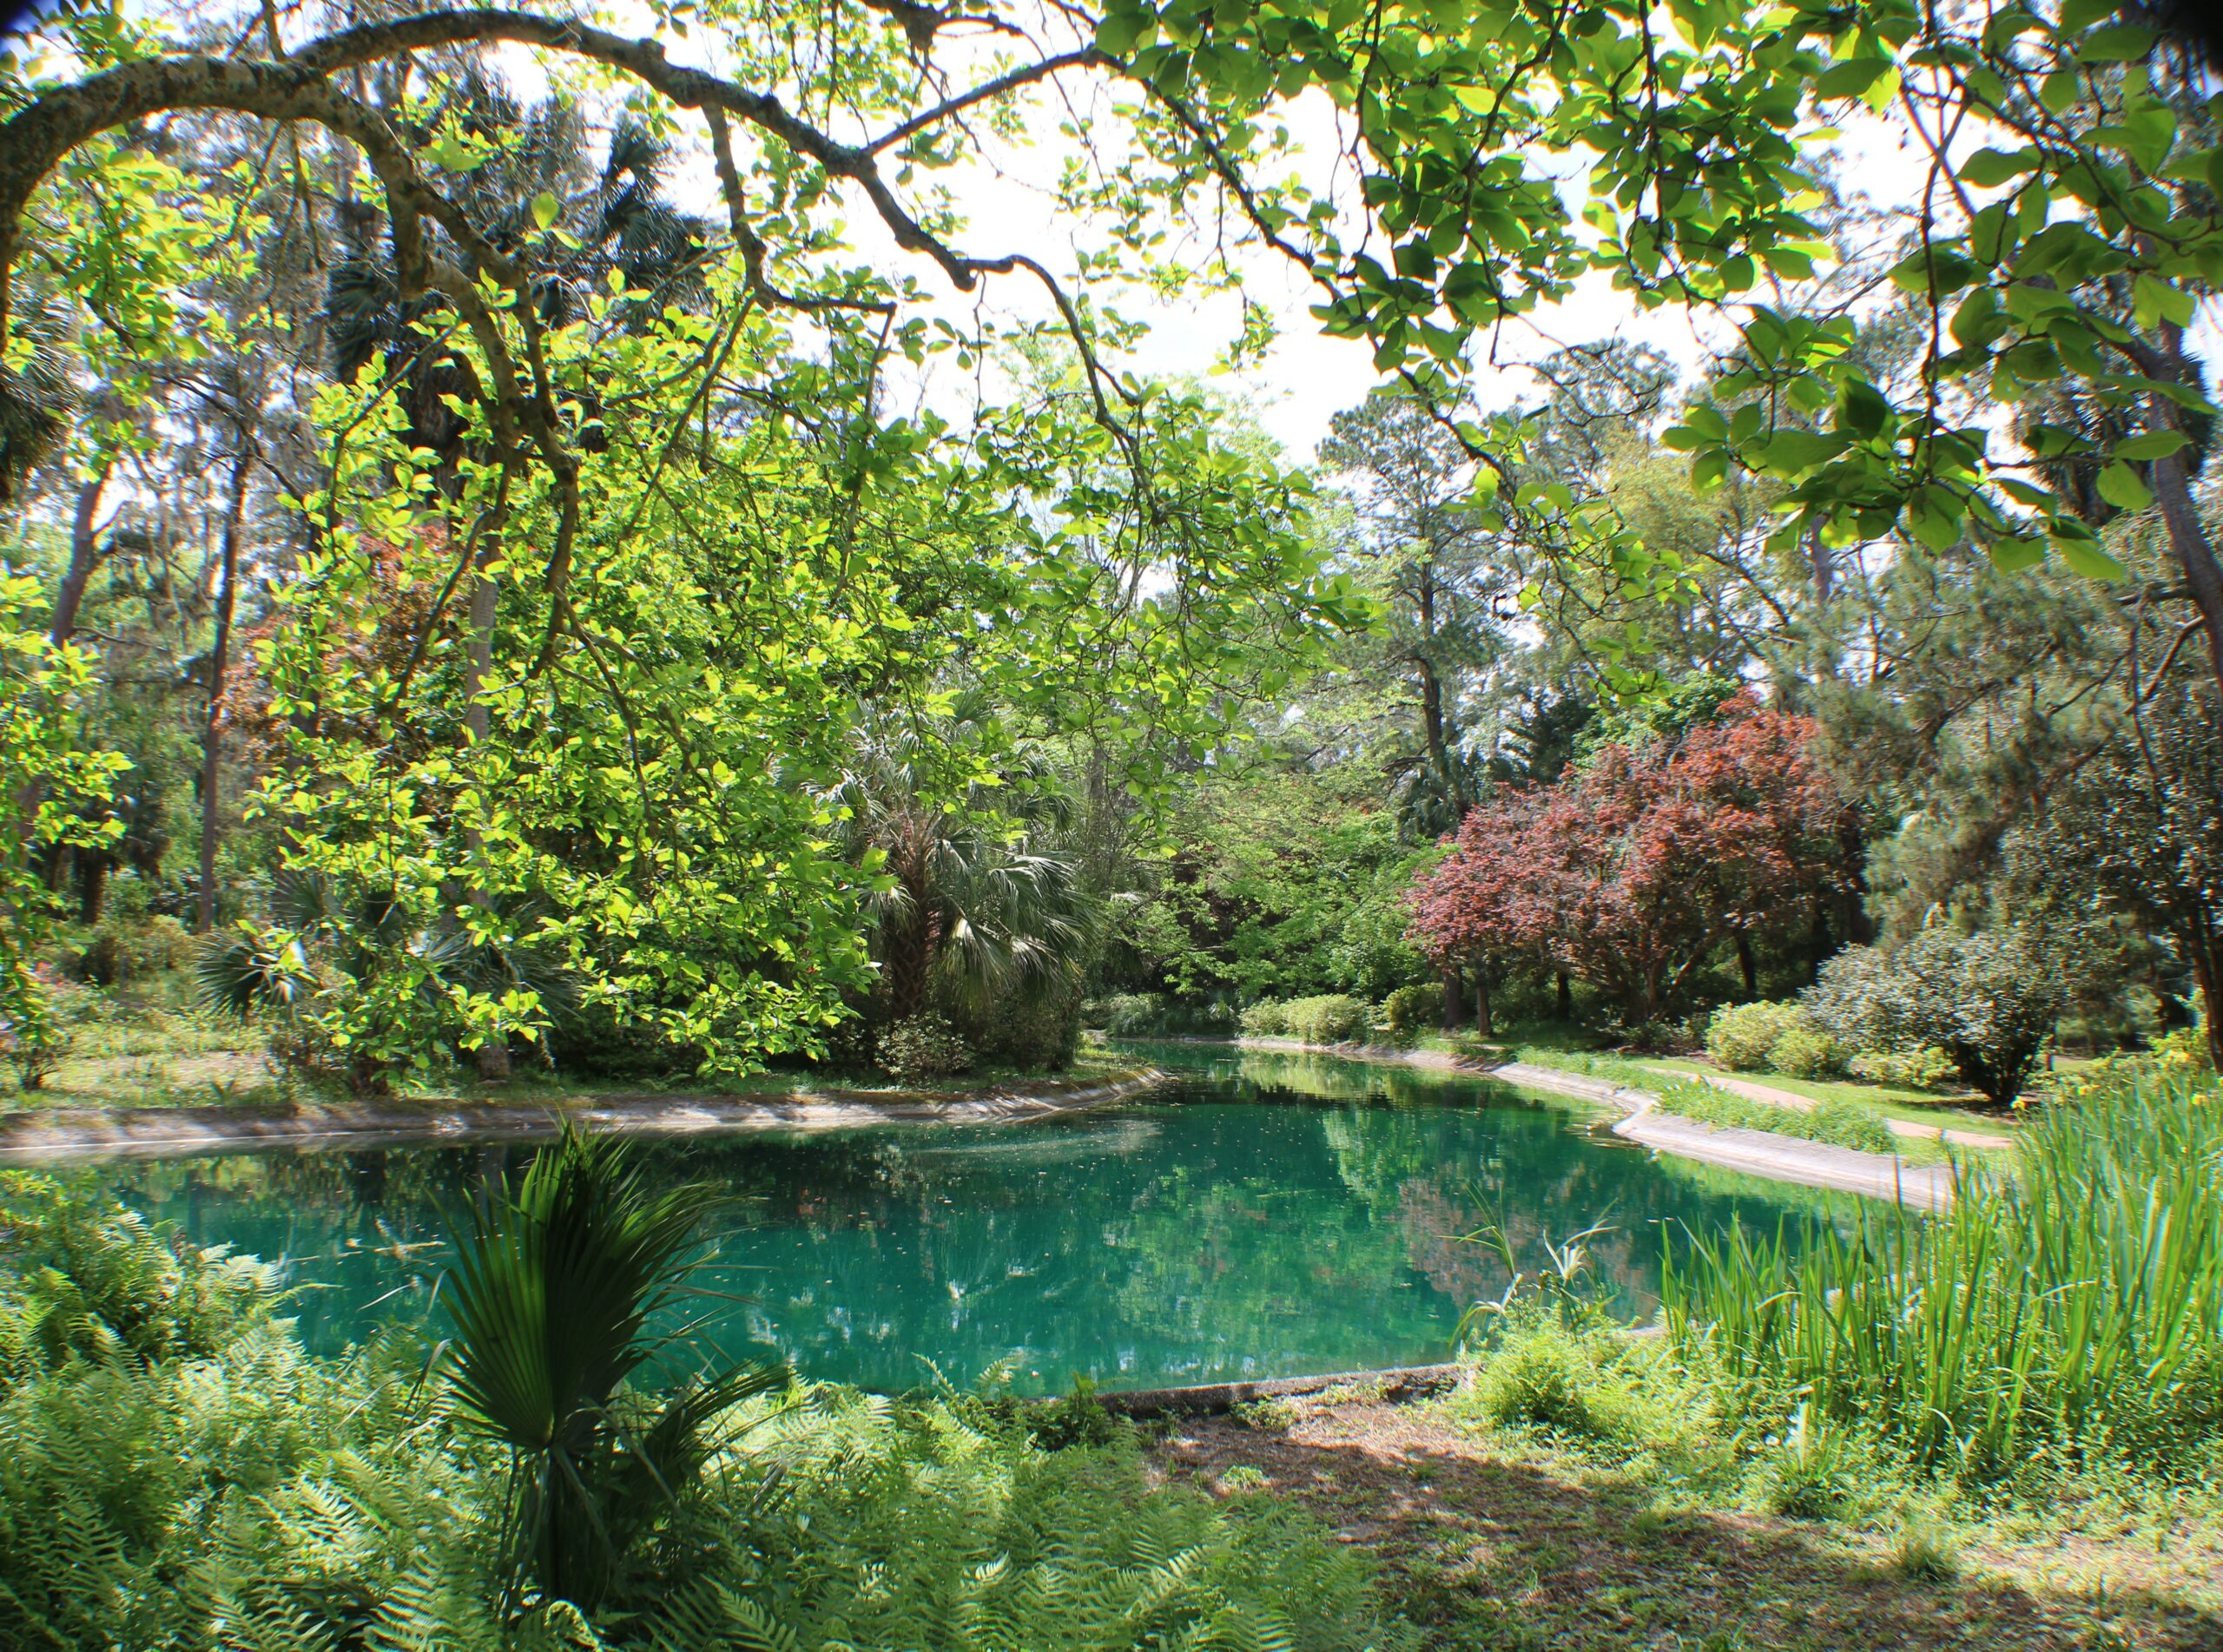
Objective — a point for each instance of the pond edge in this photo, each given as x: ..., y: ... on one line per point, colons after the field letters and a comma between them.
x: 31, y: 1138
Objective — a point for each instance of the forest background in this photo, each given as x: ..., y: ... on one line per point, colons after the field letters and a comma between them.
x: 524, y: 560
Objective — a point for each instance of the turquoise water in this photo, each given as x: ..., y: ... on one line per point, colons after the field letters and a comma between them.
x: 1265, y: 1215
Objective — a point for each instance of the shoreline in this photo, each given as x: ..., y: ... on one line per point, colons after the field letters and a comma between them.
x: 77, y: 1135
x: 1758, y: 1153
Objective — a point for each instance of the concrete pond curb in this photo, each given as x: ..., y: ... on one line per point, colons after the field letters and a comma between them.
x: 1758, y: 1153
x: 171, y: 1132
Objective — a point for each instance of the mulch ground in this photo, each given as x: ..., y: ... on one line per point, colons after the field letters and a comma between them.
x: 1491, y: 1547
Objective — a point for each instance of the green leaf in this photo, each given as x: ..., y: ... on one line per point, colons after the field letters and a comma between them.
x: 2121, y: 44
x: 1989, y: 169
x: 1850, y: 79
x: 545, y: 208
x: 2122, y: 486
x: 2084, y: 556
x: 2150, y: 444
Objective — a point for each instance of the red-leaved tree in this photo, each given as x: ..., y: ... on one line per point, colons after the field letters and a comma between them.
x: 1631, y: 872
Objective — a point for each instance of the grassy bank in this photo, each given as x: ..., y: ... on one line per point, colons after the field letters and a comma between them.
x: 1998, y: 1427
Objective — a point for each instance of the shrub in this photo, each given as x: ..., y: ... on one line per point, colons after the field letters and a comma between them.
x: 1924, y: 1067
x: 1545, y: 1373
x: 1124, y: 1014
x: 922, y: 1046
x: 1803, y: 1052
x: 1333, y: 1019
x: 1037, y: 1031
x: 1410, y: 1011
x: 1989, y: 1000
x: 1742, y: 1036
x: 1267, y: 1018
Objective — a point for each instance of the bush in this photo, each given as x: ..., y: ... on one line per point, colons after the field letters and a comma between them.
x: 1124, y: 1014
x: 1742, y: 1036
x: 126, y: 949
x: 1989, y: 1000
x: 1545, y: 1373
x: 922, y: 1046
x: 1034, y: 1032
x: 1924, y: 1067
x: 1802, y: 1052
x: 1410, y: 1011
x: 1267, y: 1018
x: 1333, y: 1019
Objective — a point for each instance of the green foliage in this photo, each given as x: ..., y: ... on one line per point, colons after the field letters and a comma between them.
x: 1330, y: 1018
x: 1845, y: 1124
x: 123, y: 949
x: 93, y: 1280
x: 1408, y: 1012
x: 1923, y: 1067
x: 1267, y: 1018
x: 235, y: 1493
x: 923, y: 1046
x: 1807, y: 1052
x: 2071, y: 1304
x: 1138, y: 1014
x: 47, y: 779
x: 1279, y: 886
x: 1990, y: 1000
x: 551, y: 1296
x: 1742, y: 1036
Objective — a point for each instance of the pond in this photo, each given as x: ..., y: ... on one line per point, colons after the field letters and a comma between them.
x: 1264, y: 1216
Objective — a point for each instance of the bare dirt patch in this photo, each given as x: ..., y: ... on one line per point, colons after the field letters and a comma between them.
x: 1492, y: 1546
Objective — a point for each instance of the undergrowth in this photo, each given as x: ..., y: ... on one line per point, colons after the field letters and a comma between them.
x: 2054, y: 1343
x: 176, y: 1470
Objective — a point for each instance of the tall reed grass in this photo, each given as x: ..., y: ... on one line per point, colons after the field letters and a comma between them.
x: 2070, y: 1301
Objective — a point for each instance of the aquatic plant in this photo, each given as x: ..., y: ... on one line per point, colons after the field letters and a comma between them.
x: 2072, y: 1302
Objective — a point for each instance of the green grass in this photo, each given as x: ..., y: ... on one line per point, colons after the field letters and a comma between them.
x: 1915, y: 1107
x: 1839, y: 1123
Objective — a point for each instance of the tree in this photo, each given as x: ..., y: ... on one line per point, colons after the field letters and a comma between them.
x: 975, y: 900
x: 45, y: 779
x: 1633, y: 871
x: 1419, y: 551
x: 2136, y: 830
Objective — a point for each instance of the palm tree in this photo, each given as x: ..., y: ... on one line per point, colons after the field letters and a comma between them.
x: 554, y: 1300
x: 978, y: 899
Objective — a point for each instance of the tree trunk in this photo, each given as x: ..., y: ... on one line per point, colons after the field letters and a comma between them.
x: 2171, y: 484
x: 1566, y: 1004
x: 2206, y: 947
x: 493, y: 1055
x: 1453, y: 990
x: 84, y: 557
x: 1746, y: 967
x: 910, y: 948
x: 1485, y: 1026
x: 92, y: 886
x: 211, y: 732
x: 1438, y: 746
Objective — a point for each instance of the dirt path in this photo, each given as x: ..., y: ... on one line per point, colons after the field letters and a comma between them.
x: 1907, y: 1130
x: 1491, y: 1546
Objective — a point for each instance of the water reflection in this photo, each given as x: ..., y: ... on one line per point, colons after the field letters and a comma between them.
x: 1269, y: 1216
